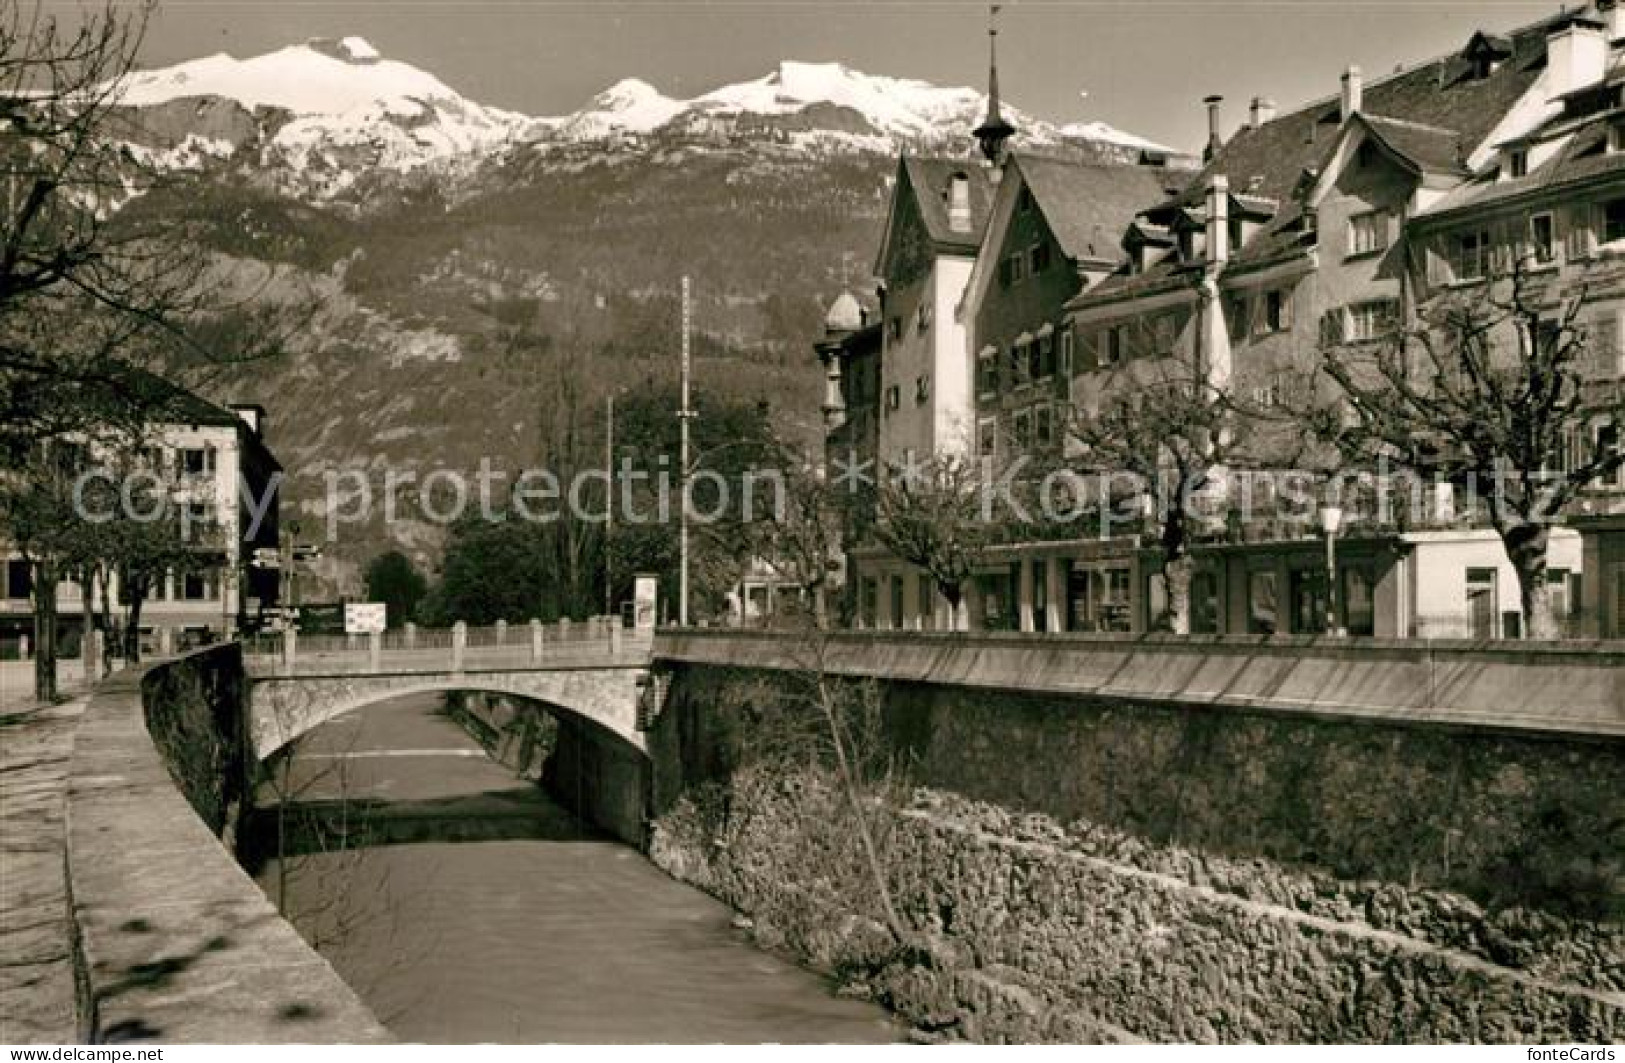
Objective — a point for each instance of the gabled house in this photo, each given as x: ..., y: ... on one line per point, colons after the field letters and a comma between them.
x: 1298, y: 235
x: 933, y: 229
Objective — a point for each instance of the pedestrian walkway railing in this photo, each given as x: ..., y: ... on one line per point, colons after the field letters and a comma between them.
x: 598, y: 641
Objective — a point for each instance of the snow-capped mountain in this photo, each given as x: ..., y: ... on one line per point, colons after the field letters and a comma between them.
x: 325, y: 111
x: 321, y: 118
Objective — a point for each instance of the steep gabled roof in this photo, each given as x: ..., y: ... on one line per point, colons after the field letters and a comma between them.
x: 165, y: 402
x: 928, y: 181
x: 1088, y: 205
x: 1582, y: 159
x: 1441, y: 95
x: 1429, y: 149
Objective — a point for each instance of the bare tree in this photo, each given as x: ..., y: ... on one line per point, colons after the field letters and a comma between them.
x: 933, y: 514
x: 87, y: 288
x: 1493, y: 389
x: 1162, y: 443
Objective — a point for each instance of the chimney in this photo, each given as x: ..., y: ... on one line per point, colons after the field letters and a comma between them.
x: 1612, y: 14
x: 1353, y: 92
x: 1214, y: 140
x: 1576, y: 56
x: 1218, y: 220
x: 252, y: 415
x: 959, y: 203
x: 1263, y: 110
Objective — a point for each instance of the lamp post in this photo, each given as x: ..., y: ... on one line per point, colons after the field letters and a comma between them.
x: 1331, y: 519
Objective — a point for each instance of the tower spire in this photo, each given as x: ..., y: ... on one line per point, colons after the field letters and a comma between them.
x: 994, y: 130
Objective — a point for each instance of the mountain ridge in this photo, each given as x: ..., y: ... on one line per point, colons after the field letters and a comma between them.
x: 315, y: 114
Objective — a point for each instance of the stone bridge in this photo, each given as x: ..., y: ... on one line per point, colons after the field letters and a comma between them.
x: 597, y: 681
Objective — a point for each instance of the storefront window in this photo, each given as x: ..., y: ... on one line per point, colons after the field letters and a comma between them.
x: 1308, y: 601
x: 1359, y: 610
x: 1204, y: 604
x: 1040, y: 595
x: 1263, y: 608
x: 1110, y: 600
x: 993, y: 589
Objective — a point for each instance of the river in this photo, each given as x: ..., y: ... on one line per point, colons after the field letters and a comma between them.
x: 533, y: 927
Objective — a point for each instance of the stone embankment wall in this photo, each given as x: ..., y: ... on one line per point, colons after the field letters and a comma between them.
x: 175, y: 942
x: 1076, y: 868
x: 586, y: 767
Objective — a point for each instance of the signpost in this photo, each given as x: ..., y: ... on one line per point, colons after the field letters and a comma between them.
x: 365, y: 618
x: 645, y: 589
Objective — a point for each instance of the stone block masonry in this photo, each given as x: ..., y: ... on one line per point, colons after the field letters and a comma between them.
x: 1086, y: 867
x: 1038, y: 932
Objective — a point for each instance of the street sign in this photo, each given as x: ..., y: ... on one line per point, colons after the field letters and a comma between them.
x: 645, y: 591
x: 365, y: 618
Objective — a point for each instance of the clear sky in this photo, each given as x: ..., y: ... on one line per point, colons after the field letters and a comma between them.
x: 1145, y: 64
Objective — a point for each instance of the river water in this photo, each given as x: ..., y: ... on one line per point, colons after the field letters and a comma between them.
x: 532, y: 928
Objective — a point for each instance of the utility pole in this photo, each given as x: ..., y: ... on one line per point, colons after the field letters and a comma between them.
x: 683, y: 417
x: 609, y: 501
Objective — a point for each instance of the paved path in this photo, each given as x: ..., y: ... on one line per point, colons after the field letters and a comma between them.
x: 36, y: 969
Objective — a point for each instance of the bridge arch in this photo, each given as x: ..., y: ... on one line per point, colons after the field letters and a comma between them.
x: 284, y: 708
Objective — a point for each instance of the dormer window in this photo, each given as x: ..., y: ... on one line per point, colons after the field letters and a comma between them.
x: 1517, y: 164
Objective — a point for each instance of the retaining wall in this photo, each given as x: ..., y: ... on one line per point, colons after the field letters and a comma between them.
x: 175, y: 942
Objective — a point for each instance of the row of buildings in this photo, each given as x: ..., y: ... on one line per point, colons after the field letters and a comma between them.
x: 1016, y: 289
x: 213, y: 460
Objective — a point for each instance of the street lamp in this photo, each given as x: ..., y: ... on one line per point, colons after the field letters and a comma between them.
x: 1331, y: 519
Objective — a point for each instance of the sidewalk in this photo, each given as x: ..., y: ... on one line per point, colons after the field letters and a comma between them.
x: 36, y: 964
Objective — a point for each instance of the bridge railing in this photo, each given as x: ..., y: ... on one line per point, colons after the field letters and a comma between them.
x: 595, y: 641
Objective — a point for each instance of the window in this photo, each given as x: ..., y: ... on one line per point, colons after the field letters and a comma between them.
x: 19, y: 579
x: 1613, y: 221
x: 1018, y: 362
x: 922, y: 390
x: 1113, y: 345
x: 1333, y: 328
x: 1015, y: 268
x: 894, y: 397
x: 987, y: 436
x: 1358, y: 602
x: 894, y: 328
x: 1517, y: 164
x: 897, y: 601
x: 1277, y: 311
x: 922, y: 317
x: 1040, y: 258
x: 1023, y: 430
x: 1162, y: 334
x: 1373, y: 320
x: 1368, y: 233
x: 1044, y: 365
x: 1066, y: 351
x: 1043, y: 426
x: 987, y: 372
x: 1263, y: 608
x: 1471, y: 259
x: 1236, y: 314
x: 1542, y: 239
x: 198, y: 587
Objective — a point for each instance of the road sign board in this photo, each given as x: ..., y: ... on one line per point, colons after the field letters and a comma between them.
x: 364, y: 618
